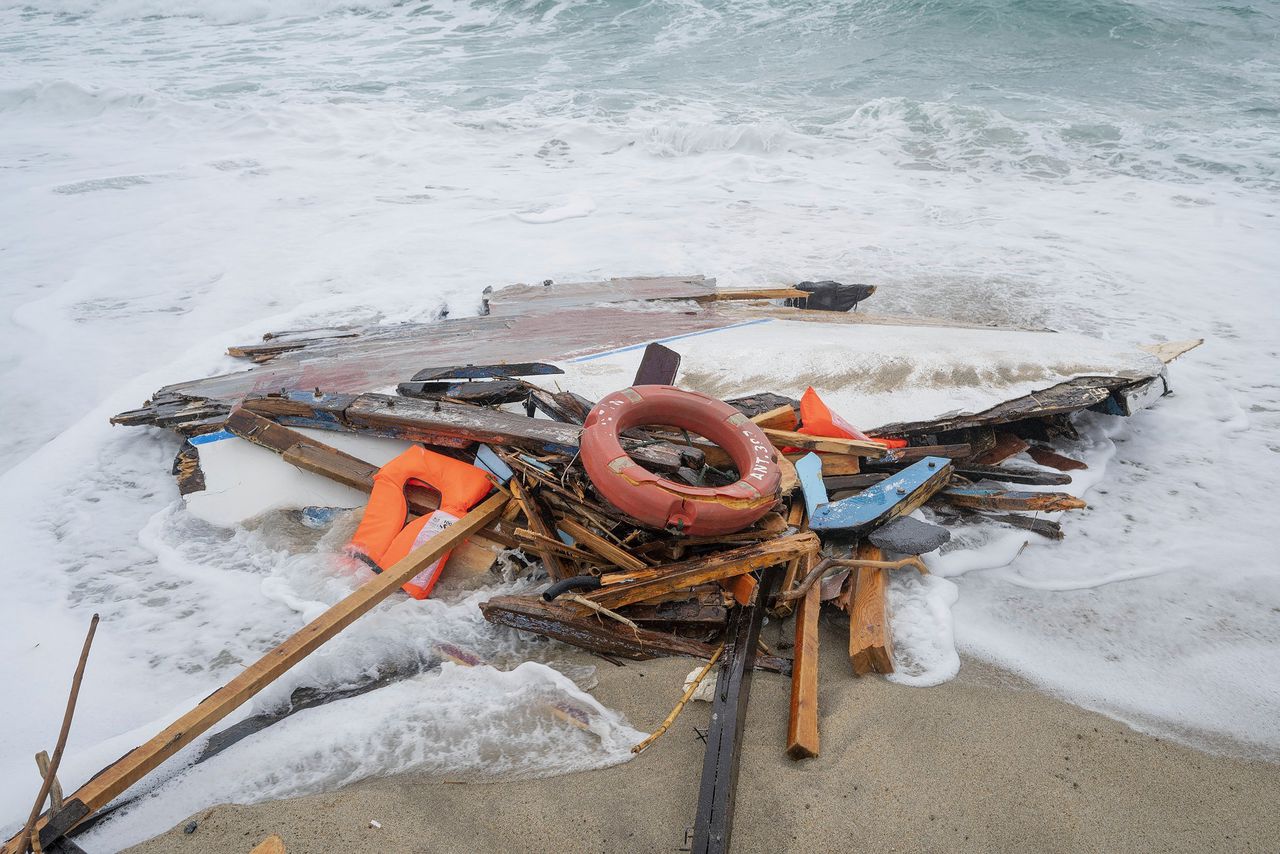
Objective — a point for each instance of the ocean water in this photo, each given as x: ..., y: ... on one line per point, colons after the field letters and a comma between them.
x: 179, y: 176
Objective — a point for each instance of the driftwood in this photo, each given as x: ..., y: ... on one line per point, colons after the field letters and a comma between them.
x: 23, y: 840
x: 684, y: 698
x: 134, y: 765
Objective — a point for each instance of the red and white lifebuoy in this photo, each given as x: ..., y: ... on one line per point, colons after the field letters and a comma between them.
x: 662, y: 503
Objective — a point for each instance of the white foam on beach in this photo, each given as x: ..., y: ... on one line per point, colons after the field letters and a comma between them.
x: 183, y: 178
x: 461, y: 723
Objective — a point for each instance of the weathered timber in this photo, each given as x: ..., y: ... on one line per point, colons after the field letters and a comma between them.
x: 484, y: 372
x: 714, y: 567
x: 713, y: 824
x: 991, y: 498
x: 537, y: 519
x: 658, y: 366
x: 850, y: 447
x: 555, y: 298
x: 855, y: 481
x: 1069, y: 396
x: 956, y: 451
x: 482, y: 393
x: 592, y: 541
x: 1012, y: 474
x: 440, y: 423
x: 836, y: 464
x: 779, y: 418
x: 565, y: 622
x: 1167, y: 351
x: 134, y: 765
x: 1007, y: 445
x: 1136, y: 397
x: 890, y: 498
x: 1046, y: 528
x: 1052, y: 459
x: 19, y: 843
x: 870, y: 644
x: 802, y: 727
x: 678, y: 613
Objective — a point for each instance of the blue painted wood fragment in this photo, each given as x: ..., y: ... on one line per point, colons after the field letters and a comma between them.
x: 809, y: 470
x: 494, y: 464
x: 888, y: 499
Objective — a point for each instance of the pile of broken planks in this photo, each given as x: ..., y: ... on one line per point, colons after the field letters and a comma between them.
x: 841, y: 523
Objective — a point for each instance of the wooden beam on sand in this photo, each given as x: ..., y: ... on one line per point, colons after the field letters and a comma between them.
x: 113, y: 780
x: 827, y: 445
x: 713, y: 825
x: 870, y: 644
x: 802, y: 728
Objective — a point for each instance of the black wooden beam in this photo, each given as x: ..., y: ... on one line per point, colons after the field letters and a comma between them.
x: 713, y: 825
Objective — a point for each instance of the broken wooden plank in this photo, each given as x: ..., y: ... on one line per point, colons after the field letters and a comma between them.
x: 134, y: 765
x: 1069, y: 396
x: 501, y: 370
x: 779, y: 418
x: 1007, y: 445
x: 565, y: 622
x: 713, y: 824
x: 1052, y: 459
x: 592, y: 541
x: 1047, y: 528
x: 1012, y: 474
x: 1167, y: 351
x: 537, y: 519
x: 993, y: 498
x: 849, y: 447
x: 802, y: 726
x: 714, y: 567
x: 440, y: 423
x: 1133, y: 398
x: 835, y: 464
x: 692, y: 613
x: 658, y: 366
x: 870, y: 643
x: 890, y: 498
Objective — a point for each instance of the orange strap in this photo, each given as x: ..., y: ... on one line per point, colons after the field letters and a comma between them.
x: 384, y: 537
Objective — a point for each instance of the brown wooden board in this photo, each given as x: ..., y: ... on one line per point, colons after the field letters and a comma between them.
x: 870, y: 643
x: 714, y: 567
x: 802, y: 726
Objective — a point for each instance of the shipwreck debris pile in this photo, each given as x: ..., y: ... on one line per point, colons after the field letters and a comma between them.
x: 667, y: 522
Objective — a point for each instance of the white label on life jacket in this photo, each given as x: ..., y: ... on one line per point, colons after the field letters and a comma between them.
x: 438, y: 521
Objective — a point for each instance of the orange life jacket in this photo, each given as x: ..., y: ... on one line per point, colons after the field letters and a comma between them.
x: 384, y: 538
x: 816, y: 419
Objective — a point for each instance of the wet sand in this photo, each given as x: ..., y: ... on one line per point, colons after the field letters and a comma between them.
x: 980, y: 764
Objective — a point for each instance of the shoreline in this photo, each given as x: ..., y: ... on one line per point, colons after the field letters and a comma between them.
x: 982, y: 763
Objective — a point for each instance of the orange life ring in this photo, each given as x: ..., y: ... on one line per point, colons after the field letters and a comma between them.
x: 383, y: 538
x: 661, y: 503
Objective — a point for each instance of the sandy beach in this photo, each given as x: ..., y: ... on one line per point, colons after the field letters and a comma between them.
x: 981, y: 763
